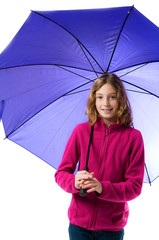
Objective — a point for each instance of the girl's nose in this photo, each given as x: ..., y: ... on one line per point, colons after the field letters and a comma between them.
x: 106, y: 102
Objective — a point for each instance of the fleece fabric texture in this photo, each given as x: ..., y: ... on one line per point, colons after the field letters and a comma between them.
x: 117, y: 159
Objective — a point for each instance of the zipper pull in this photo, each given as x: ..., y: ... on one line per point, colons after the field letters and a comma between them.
x: 106, y: 131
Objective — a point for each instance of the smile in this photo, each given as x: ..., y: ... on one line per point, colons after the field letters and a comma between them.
x: 107, y: 110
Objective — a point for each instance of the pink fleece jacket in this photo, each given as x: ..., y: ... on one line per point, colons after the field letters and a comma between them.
x: 117, y: 159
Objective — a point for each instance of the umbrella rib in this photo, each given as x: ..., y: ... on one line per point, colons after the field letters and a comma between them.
x: 54, y: 64
x: 145, y: 90
x: 134, y: 85
x: 60, y: 66
x: 65, y: 94
x: 88, y: 59
x: 135, y: 65
x: 78, y: 91
x: 51, y: 82
x: 119, y: 37
x: 129, y: 90
x: 63, y: 68
x: 148, y: 174
x: 72, y: 36
x: 47, y: 64
x: 60, y: 128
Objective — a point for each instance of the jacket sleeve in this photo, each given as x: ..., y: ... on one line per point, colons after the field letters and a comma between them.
x: 133, y: 177
x: 64, y: 176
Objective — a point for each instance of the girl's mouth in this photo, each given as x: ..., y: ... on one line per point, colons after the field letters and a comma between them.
x: 108, y: 110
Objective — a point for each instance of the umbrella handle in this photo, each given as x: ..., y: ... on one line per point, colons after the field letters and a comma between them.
x: 83, y: 192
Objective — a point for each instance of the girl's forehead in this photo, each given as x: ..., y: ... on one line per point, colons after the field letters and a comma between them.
x: 106, y: 88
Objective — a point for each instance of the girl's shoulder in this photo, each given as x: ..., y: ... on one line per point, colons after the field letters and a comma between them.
x: 133, y: 132
x: 82, y: 129
x: 83, y: 126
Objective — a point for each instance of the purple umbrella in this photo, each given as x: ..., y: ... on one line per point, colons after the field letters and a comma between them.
x: 48, y: 68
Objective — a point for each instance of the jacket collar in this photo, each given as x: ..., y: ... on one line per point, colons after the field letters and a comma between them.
x: 100, y: 125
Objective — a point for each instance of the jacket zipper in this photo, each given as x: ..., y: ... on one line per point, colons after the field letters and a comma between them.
x: 104, y: 152
x: 93, y: 217
x: 95, y: 208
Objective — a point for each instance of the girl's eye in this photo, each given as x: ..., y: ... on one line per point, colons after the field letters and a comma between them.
x: 113, y: 97
x: 99, y: 97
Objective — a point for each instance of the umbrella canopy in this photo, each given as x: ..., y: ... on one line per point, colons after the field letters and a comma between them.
x: 48, y: 68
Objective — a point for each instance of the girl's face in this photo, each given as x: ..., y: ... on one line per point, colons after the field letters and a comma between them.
x: 107, y: 104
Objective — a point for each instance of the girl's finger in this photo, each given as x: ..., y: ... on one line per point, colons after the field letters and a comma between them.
x: 91, y: 190
x: 89, y: 185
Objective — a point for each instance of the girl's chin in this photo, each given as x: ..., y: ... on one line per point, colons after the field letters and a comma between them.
x: 108, y: 119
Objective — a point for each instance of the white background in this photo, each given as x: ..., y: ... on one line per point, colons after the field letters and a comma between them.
x: 32, y: 206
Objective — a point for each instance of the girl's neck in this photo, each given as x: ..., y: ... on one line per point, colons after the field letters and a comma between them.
x: 107, y: 122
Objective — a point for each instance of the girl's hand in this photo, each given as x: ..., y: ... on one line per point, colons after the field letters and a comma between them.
x: 81, y: 177
x: 93, y: 184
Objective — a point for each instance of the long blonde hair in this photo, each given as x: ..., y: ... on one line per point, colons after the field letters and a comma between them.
x: 124, y: 114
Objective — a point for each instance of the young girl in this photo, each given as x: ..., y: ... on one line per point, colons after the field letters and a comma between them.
x: 116, y: 164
